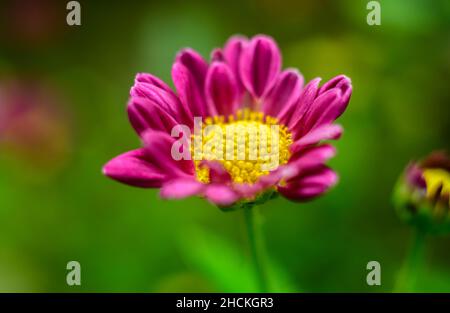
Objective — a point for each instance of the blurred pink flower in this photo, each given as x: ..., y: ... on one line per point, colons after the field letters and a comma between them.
x: 33, y: 124
x: 243, y: 84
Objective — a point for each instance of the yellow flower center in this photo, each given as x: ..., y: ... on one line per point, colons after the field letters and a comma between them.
x: 248, y: 144
x: 438, y: 181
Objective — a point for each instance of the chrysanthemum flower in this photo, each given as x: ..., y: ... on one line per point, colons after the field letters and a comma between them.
x: 423, y: 192
x: 242, y: 86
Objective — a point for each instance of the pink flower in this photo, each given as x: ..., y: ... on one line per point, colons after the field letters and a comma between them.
x: 242, y: 85
x: 34, y: 123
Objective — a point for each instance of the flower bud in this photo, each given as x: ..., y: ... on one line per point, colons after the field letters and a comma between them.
x: 421, y: 196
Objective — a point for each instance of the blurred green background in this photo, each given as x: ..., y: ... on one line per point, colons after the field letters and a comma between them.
x: 55, y: 205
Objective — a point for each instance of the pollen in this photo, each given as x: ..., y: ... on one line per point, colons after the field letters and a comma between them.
x: 248, y: 144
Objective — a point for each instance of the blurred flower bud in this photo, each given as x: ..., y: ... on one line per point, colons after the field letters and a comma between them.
x: 421, y: 196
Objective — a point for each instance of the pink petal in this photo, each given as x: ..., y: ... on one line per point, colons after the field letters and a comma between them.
x: 310, y: 186
x: 339, y: 81
x: 248, y: 191
x: 217, y: 173
x: 232, y: 53
x: 301, y: 193
x: 134, y: 168
x: 181, y: 188
x: 221, y: 195
x: 151, y: 92
x: 324, y: 132
x: 166, y: 100
x: 188, y: 74
x: 221, y: 90
x: 190, y: 94
x: 264, y: 182
x: 158, y: 146
x: 144, y: 114
x: 308, y: 159
x: 344, y: 84
x: 329, y: 104
x: 321, y: 108
x: 217, y: 55
x: 303, y: 105
x: 323, y: 152
x: 195, y: 63
x: 260, y: 65
x: 152, y: 80
x: 282, y: 98
x: 414, y: 176
x: 325, y: 177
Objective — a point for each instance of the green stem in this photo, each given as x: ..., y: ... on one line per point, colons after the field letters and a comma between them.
x: 406, y: 281
x: 256, y: 242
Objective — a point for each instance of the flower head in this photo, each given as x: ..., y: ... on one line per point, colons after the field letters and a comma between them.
x: 241, y: 127
x: 422, y: 193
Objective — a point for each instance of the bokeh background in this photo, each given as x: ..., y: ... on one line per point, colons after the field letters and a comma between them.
x: 63, y: 92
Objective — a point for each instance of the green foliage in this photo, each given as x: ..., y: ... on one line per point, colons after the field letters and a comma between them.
x: 226, y: 265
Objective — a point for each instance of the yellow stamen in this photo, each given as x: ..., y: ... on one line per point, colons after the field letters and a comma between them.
x: 248, y: 152
x: 435, y: 178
